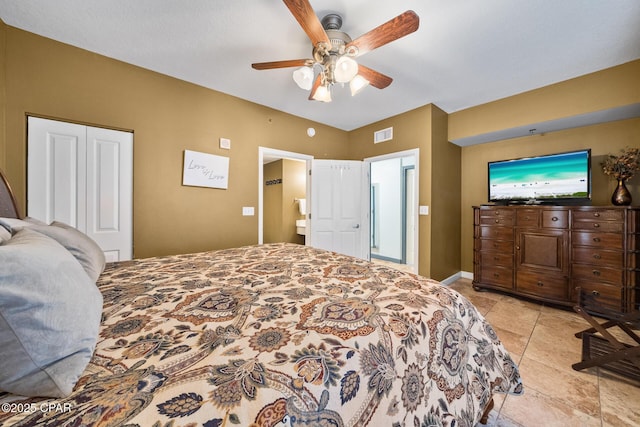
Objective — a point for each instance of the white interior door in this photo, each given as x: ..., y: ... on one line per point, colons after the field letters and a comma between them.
x: 339, y: 207
x: 83, y: 176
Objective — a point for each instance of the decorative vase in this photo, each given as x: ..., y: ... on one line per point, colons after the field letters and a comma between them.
x: 621, y: 195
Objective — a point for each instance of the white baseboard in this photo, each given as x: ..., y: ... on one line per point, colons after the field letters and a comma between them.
x: 459, y: 275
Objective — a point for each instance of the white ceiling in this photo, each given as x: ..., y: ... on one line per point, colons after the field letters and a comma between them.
x: 465, y: 53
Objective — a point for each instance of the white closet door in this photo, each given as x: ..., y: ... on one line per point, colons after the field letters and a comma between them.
x: 56, y: 171
x: 82, y: 176
x: 110, y: 191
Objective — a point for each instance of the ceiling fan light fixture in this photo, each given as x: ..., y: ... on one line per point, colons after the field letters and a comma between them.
x: 357, y: 84
x: 303, y: 77
x: 322, y: 93
x: 346, y: 69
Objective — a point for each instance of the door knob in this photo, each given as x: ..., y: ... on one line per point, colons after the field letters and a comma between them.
x: 356, y: 226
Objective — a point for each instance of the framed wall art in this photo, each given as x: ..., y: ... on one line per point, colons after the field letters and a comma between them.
x: 205, y: 170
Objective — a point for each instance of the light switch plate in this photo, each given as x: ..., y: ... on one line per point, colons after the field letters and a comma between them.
x: 248, y: 211
x: 225, y: 143
x: 424, y: 210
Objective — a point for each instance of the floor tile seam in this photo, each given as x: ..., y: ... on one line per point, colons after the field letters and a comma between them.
x: 600, y: 399
x: 526, y: 346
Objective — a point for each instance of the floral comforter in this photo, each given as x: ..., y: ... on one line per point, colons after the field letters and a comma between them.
x: 279, y: 334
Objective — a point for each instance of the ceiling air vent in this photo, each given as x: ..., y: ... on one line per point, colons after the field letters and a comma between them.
x: 383, y: 135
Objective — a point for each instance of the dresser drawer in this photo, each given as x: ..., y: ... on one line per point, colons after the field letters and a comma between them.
x: 598, y: 215
x: 527, y: 218
x: 496, y: 221
x: 596, y: 256
x: 543, y: 285
x: 497, y: 276
x: 504, y: 246
x: 597, y: 273
x: 493, y: 259
x: 597, y: 239
x: 499, y: 212
x: 555, y: 219
x: 602, y: 226
x: 608, y: 296
x: 504, y: 233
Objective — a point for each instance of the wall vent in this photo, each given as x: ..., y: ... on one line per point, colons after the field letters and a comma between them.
x: 383, y: 135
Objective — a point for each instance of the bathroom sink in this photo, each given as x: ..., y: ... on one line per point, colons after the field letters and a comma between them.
x: 301, y: 225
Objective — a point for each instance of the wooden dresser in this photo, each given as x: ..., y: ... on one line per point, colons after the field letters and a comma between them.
x: 546, y: 252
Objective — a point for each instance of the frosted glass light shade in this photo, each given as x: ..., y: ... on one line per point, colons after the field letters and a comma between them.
x: 346, y: 69
x: 322, y: 94
x: 303, y: 77
x: 357, y: 84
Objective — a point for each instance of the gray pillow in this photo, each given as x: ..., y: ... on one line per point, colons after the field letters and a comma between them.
x: 14, y: 224
x: 49, y: 316
x: 4, y: 234
x: 81, y: 246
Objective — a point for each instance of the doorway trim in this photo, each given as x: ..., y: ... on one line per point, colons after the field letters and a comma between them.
x: 416, y: 190
x: 265, y: 153
x: 405, y: 172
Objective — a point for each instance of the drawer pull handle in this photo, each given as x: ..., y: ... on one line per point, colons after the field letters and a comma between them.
x: 596, y: 214
x: 496, y: 275
x: 596, y: 272
x: 540, y: 284
x: 595, y: 293
x: 495, y: 258
x: 596, y: 239
x: 497, y: 221
x: 527, y: 218
x: 518, y: 248
x: 596, y: 225
x: 597, y: 256
x: 555, y: 218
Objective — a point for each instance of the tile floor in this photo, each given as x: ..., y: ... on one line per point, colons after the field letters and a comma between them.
x: 541, y: 339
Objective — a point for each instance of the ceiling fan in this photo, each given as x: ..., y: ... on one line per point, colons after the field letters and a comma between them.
x: 334, y: 51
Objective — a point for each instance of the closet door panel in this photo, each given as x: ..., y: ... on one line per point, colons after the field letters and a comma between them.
x: 109, y: 185
x: 56, y: 176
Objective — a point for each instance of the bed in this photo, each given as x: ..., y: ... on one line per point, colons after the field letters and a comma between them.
x: 262, y: 335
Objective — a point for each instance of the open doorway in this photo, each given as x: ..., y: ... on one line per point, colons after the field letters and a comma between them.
x: 394, y: 209
x: 282, y: 196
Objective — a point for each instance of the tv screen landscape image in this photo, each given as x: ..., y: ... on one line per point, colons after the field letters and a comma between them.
x: 553, y: 177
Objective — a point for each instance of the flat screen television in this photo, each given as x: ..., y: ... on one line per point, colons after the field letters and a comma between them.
x: 552, y: 178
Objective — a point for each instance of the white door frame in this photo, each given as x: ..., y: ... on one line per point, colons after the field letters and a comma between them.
x: 415, y: 209
x: 272, y: 152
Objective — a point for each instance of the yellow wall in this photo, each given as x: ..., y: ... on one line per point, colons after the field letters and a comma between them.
x: 445, y: 200
x: 613, y: 87
x: 280, y: 208
x: 294, y: 187
x: 3, y: 156
x: 47, y: 78
x: 424, y: 128
x: 272, y: 203
x: 51, y: 79
x: 602, y: 139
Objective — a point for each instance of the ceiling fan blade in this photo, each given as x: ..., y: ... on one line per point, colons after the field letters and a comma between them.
x: 391, y: 30
x: 375, y: 78
x: 308, y: 20
x: 281, y: 64
x: 316, y: 84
